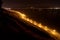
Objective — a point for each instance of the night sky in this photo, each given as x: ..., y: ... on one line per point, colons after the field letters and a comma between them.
x: 28, y: 3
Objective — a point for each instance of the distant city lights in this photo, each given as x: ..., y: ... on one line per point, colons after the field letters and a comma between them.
x: 54, y: 8
x: 7, y: 8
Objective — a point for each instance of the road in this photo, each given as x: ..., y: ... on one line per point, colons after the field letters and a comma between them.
x: 52, y: 32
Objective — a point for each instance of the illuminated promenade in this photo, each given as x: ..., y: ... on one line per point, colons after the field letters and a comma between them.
x: 52, y: 32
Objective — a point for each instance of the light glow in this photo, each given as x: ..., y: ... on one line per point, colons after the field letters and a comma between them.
x: 50, y: 31
x: 35, y: 23
x: 54, y: 32
x: 31, y: 21
x: 46, y: 28
x: 40, y: 25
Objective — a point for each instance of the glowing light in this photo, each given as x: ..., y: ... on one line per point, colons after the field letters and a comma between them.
x: 20, y: 14
x: 46, y: 28
x: 40, y: 25
x: 54, y: 32
x: 23, y: 16
x: 17, y: 12
x: 35, y: 23
x: 56, y: 8
x: 7, y: 8
x: 30, y: 21
x: 27, y: 19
